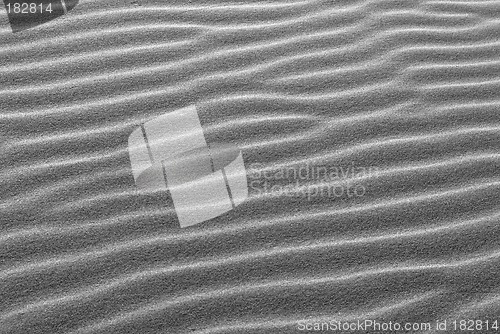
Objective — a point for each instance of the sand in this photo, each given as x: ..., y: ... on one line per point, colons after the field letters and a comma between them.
x: 404, y: 93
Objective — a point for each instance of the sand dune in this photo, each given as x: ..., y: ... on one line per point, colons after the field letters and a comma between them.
x: 409, y: 90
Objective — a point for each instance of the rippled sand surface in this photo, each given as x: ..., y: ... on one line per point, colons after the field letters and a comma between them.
x: 409, y: 90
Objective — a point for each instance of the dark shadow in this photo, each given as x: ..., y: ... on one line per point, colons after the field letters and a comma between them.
x: 24, y: 15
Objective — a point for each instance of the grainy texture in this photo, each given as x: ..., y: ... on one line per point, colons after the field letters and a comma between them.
x: 410, y: 89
